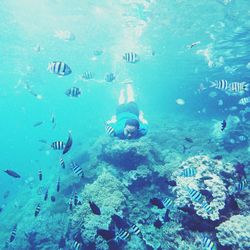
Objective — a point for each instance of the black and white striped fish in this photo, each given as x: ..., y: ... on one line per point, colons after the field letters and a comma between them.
x: 110, y: 77
x: 238, y: 187
x: 189, y: 172
x: 131, y: 57
x: 122, y: 235
x: 73, y: 92
x: 76, y: 245
x: 239, y: 87
x: 244, y: 100
x: 38, y: 209
x: 135, y: 230
x: 109, y: 130
x: 13, y: 234
x: 77, y: 169
x: 62, y: 163
x: 168, y: 203
x: 221, y: 84
x: 58, y: 145
x: 206, y: 207
x: 59, y: 68
x: 208, y: 244
x: 194, y: 194
x: 88, y: 75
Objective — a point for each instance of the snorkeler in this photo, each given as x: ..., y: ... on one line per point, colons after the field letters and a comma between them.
x: 128, y: 123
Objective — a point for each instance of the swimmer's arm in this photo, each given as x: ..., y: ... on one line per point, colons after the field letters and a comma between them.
x: 112, y: 120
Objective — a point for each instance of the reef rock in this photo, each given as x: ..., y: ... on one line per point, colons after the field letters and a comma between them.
x: 235, y: 232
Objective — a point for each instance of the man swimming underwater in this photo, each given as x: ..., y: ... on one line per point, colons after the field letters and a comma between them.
x: 128, y: 123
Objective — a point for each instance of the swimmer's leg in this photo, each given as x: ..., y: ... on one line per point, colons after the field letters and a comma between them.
x: 130, y: 93
x: 122, y: 99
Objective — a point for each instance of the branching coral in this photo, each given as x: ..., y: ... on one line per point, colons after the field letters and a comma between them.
x: 235, y: 232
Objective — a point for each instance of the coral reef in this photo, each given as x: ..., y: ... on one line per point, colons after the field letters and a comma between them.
x: 207, y: 178
x: 235, y: 232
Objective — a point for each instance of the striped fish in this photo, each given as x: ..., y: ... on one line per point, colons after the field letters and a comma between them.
x: 131, y: 57
x: 208, y: 244
x: 77, y: 169
x: 221, y: 84
x: 242, y: 138
x: 59, y: 68
x: 73, y: 92
x: 109, y: 130
x: 244, y: 100
x: 110, y: 77
x: 76, y: 245
x: 87, y: 75
x: 13, y: 234
x: 135, y: 230
x: 189, y: 172
x: 239, y: 87
x: 207, y: 207
x: 194, y: 195
x: 62, y: 163
x: 238, y: 187
x: 122, y: 235
x: 168, y: 203
x: 40, y: 175
x: 38, y: 209
x: 58, y: 145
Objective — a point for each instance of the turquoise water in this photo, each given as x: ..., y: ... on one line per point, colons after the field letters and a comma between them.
x: 35, y: 33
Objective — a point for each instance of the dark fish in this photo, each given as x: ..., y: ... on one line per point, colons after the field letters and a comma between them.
x: 53, y: 120
x: 37, y: 124
x: 38, y: 209
x: 166, y: 216
x: 95, y: 209
x: 13, y: 233
x: 106, y: 234
x: 75, y: 199
x: 171, y: 183
x: 6, y: 194
x: 189, y: 140
x: 131, y: 57
x: 46, y: 194
x: 223, y: 125
x: 58, y: 145
x: 62, y: 163
x: 62, y: 243
x: 68, y: 144
x: 12, y: 173
x: 158, y: 223
x: 110, y: 77
x: 207, y: 194
x: 71, y: 203
x: 205, y: 178
x: 240, y: 169
x: 58, y: 185
x: 43, y: 141
x: 40, y: 175
x: 119, y: 222
x: 73, y: 92
x: 157, y: 202
x: 218, y: 157
x: 53, y: 198
x: 59, y: 68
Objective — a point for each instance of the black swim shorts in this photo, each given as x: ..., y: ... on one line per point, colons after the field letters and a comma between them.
x: 130, y: 107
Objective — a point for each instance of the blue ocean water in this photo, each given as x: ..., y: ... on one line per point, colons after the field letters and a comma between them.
x: 183, y: 46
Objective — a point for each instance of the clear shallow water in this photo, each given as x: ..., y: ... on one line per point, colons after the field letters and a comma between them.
x: 29, y: 41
